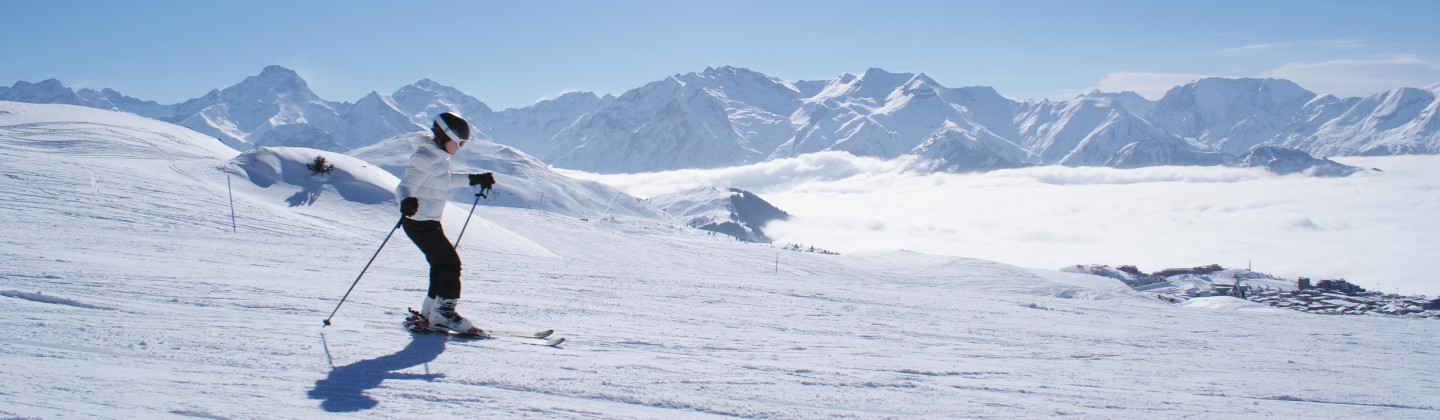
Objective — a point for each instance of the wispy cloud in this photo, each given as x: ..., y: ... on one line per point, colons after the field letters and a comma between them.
x: 1341, y: 43
x: 1360, y: 77
x: 1256, y: 48
x: 1149, y: 85
x: 1231, y: 34
x: 1050, y: 217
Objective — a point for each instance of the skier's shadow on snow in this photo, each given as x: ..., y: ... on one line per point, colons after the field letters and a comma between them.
x: 306, y: 196
x: 344, y: 389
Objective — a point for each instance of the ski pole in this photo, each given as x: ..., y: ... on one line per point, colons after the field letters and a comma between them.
x: 362, y: 271
x: 478, y: 196
x: 232, y: 204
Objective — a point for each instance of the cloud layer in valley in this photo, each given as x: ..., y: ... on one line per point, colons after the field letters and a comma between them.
x: 1374, y: 228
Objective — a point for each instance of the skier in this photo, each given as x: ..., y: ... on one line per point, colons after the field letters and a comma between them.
x: 422, y: 195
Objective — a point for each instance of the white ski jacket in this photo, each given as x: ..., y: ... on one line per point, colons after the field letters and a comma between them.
x: 429, y: 180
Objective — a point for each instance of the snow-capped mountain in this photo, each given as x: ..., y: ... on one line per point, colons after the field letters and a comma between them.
x: 1230, y: 115
x: 1055, y: 131
x: 729, y: 211
x: 248, y: 114
x: 277, y: 108
x: 376, y: 117
x: 49, y: 91
x: 958, y: 149
x: 52, y: 91
x: 1314, y: 116
x: 888, y: 115
x: 1124, y: 140
x: 532, y: 129
x: 731, y: 116
x: 684, y: 121
x: 423, y: 100
x: 1400, y: 121
x: 877, y: 113
x: 1130, y: 100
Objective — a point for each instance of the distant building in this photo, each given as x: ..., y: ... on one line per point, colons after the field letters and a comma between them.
x: 1202, y: 270
x: 1340, y: 286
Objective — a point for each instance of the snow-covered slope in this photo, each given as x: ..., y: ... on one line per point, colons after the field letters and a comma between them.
x: 353, y: 179
x: 58, y: 132
x: 127, y: 294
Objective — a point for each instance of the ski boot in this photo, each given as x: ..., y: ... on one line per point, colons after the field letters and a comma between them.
x: 444, y: 318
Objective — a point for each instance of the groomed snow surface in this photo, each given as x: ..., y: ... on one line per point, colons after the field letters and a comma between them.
x: 127, y: 295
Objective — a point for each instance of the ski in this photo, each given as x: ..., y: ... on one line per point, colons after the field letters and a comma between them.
x: 547, y: 342
x: 416, y: 324
x: 522, y: 334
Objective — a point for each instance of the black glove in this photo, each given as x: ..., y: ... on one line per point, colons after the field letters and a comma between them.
x: 409, y: 206
x: 485, y: 181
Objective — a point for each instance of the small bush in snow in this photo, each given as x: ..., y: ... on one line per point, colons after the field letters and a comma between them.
x: 319, y: 167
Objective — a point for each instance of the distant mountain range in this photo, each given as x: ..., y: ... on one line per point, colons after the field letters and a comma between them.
x: 731, y: 116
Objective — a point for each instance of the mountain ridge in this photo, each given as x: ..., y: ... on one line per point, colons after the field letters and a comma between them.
x: 728, y: 116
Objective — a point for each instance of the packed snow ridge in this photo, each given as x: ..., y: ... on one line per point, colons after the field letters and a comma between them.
x: 729, y: 116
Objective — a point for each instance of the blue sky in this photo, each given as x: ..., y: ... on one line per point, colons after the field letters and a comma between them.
x: 512, y: 54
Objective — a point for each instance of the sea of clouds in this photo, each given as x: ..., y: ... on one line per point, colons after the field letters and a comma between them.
x: 1378, y: 228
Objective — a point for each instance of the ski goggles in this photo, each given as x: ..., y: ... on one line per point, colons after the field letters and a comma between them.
x: 449, y: 132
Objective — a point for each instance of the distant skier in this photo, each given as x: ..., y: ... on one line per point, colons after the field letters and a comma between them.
x: 422, y: 194
x: 1239, y: 290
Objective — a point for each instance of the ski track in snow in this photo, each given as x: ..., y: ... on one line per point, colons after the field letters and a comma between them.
x: 138, y: 301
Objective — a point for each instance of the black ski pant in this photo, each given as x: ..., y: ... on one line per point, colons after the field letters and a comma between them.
x: 444, y: 261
